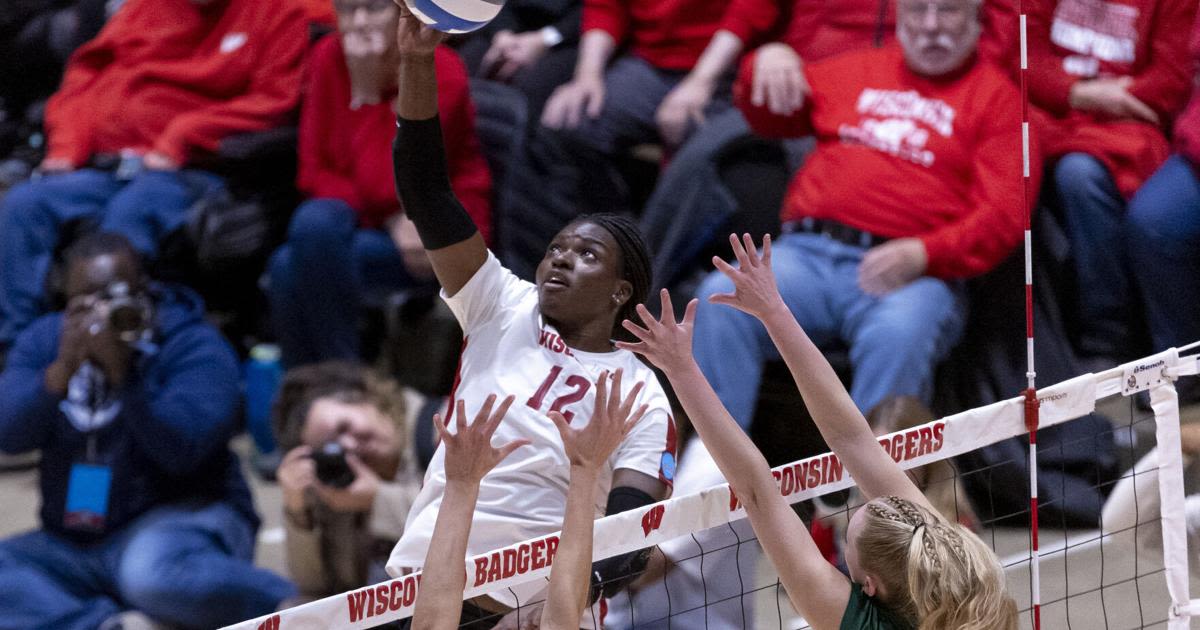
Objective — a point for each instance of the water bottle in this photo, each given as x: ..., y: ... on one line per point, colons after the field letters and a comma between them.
x: 263, y: 374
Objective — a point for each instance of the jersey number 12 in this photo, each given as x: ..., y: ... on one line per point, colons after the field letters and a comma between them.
x: 579, y: 388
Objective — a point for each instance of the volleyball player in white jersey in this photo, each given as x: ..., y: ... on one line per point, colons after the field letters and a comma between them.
x: 546, y: 343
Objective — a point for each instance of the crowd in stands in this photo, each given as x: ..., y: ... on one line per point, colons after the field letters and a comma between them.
x: 878, y: 141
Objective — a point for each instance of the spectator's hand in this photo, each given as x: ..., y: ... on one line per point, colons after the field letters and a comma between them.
x: 510, y: 52
x: 109, y: 351
x: 412, y: 251
x: 1189, y: 436
x: 55, y: 165
x: 359, y: 496
x: 612, y: 419
x: 664, y: 342
x: 469, y: 451
x: 754, y: 289
x: 296, y: 474
x: 779, y: 81
x: 414, y: 38
x: 1111, y: 97
x: 156, y: 161
x: 530, y: 618
x: 889, y: 266
x: 72, y: 345
x: 682, y: 110
x: 570, y: 102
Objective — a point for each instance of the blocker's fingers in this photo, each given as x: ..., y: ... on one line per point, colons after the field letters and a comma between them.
x: 485, y: 412
x: 460, y: 421
x: 601, y: 395
x: 766, y: 253
x: 648, y: 319
x: 614, y: 392
x: 729, y: 299
x: 751, y: 249
x: 689, y: 313
x: 637, y: 348
x: 507, y: 449
x: 668, y: 309
x: 631, y: 399
x: 738, y: 250
x: 635, y: 419
x: 439, y: 427
x: 560, y: 423
x: 724, y: 267
x: 637, y: 331
x: 498, y: 416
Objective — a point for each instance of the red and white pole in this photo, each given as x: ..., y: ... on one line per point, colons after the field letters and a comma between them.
x: 1031, y: 400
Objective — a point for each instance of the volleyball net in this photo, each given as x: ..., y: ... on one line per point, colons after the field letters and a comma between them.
x: 708, y: 571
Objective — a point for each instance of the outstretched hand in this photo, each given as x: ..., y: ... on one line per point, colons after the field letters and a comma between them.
x: 754, y: 289
x: 664, y: 342
x: 469, y: 451
x: 614, y: 417
x: 413, y: 38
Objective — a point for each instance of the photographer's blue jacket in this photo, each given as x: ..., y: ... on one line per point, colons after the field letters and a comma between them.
x: 169, y: 441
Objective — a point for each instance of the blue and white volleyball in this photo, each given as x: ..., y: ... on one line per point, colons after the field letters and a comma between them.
x: 455, y: 16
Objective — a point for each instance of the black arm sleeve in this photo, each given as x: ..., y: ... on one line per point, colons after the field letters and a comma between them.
x: 611, y: 575
x: 423, y: 184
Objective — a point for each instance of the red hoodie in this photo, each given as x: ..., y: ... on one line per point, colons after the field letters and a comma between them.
x: 901, y: 155
x: 347, y: 154
x: 173, y: 77
x: 1187, y: 128
x: 672, y: 34
x: 1072, y: 40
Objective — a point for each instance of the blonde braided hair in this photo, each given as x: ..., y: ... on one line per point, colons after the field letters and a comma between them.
x: 936, y: 574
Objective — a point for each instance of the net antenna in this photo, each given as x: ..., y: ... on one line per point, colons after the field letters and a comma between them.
x: 1030, y: 394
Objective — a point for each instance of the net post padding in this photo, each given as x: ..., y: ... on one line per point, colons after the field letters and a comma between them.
x: 805, y: 479
x: 1164, y: 400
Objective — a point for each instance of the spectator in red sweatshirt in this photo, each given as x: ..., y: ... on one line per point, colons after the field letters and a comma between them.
x: 1110, y: 75
x: 162, y: 85
x: 351, y: 236
x: 911, y: 188
x: 1162, y: 231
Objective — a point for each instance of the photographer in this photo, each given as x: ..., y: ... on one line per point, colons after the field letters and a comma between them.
x: 346, y: 480
x: 132, y: 398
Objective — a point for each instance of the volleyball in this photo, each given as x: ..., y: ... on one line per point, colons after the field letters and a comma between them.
x: 455, y: 16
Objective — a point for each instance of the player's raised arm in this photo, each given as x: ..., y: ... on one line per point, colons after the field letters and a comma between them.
x: 588, y: 450
x: 469, y: 456
x: 839, y: 420
x: 456, y: 249
x: 814, y: 586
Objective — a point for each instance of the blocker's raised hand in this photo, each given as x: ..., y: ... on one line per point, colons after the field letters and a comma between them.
x: 469, y: 451
x: 664, y: 342
x: 614, y: 417
x: 754, y: 289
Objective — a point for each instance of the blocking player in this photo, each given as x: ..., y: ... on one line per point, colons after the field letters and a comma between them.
x: 470, y: 455
x: 546, y: 343
x: 909, y: 567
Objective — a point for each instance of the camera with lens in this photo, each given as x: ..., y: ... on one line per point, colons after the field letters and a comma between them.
x: 128, y: 312
x: 332, y: 468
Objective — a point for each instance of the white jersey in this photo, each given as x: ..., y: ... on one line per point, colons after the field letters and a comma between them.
x: 509, y: 349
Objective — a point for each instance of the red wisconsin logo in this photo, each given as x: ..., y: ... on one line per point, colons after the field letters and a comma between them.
x: 652, y: 519
x: 270, y: 624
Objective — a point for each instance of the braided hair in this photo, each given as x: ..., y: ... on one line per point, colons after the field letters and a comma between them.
x: 635, y: 263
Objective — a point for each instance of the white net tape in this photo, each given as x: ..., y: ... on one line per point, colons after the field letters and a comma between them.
x: 684, y: 517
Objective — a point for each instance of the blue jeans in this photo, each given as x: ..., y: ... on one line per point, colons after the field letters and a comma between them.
x: 318, y: 279
x: 189, y: 566
x: 32, y: 214
x: 895, y: 341
x: 1162, y: 237
x: 1093, y: 210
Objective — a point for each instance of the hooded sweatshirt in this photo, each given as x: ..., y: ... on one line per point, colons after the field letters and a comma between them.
x: 168, y: 440
x: 174, y: 77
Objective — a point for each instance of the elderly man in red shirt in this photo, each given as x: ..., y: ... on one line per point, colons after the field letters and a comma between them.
x: 162, y: 85
x: 1110, y: 75
x: 1162, y: 231
x: 915, y: 183
x: 351, y: 236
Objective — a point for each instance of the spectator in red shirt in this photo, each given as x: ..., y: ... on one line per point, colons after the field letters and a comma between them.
x: 1162, y: 231
x: 351, y: 236
x: 162, y: 85
x: 1109, y: 75
x: 910, y: 188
